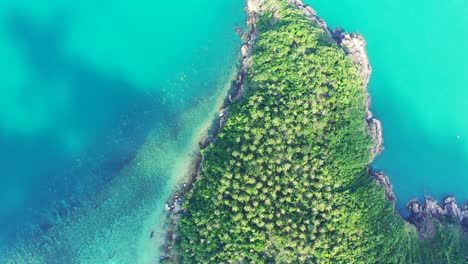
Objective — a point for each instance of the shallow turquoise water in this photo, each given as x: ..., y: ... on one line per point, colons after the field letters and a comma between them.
x: 101, y: 106
x: 418, y: 51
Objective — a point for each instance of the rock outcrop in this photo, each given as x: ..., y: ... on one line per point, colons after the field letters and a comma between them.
x: 254, y: 6
x: 384, y: 181
x: 355, y: 46
x: 422, y: 214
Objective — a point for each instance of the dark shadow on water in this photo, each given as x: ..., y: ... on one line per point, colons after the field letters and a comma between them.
x: 113, y: 114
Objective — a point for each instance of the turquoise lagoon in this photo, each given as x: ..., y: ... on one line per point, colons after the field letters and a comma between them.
x: 101, y: 107
x: 419, y: 53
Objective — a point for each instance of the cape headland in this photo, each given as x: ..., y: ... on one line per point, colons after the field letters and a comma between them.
x: 427, y: 218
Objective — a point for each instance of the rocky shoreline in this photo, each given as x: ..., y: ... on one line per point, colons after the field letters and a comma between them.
x: 421, y: 215
x: 174, y: 204
x: 355, y: 46
x: 449, y: 211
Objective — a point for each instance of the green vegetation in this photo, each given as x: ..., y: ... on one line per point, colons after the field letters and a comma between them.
x: 287, y: 179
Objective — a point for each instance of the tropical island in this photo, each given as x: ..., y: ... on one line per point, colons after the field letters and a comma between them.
x: 287, y: 177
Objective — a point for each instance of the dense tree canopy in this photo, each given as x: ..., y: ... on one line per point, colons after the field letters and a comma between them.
x: 287, y: 180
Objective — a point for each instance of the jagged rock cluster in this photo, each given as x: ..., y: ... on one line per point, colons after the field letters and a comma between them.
x: 420, y: 213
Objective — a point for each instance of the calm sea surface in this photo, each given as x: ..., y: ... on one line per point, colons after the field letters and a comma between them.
x: 101, y: 106
x: 419, y: 53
